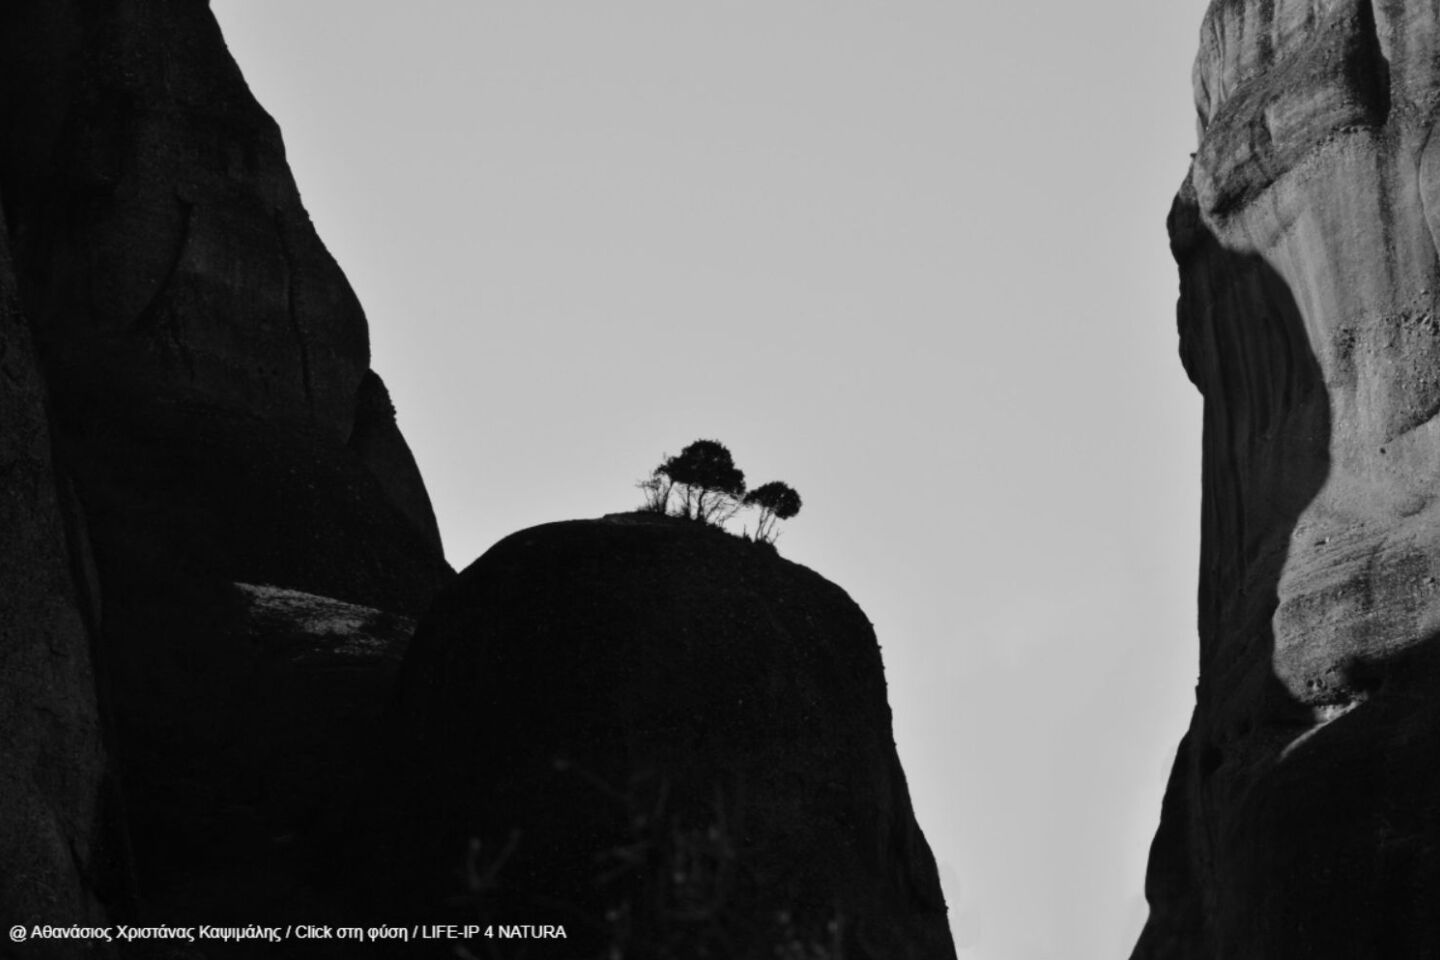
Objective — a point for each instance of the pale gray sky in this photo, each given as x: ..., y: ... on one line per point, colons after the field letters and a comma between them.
x: 908, y: 256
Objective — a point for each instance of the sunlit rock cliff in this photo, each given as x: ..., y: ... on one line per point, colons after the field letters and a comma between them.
x: 1302, y: 817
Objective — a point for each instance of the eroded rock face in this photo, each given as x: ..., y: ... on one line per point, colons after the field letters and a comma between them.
x: 666, y: 738
x: 1303, y: 815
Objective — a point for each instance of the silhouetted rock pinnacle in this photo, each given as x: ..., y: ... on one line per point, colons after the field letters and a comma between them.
x: 664, y: 737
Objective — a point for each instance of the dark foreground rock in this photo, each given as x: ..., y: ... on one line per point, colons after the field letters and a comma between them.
x: 236, y: 761
x: 208, y: 363
x: 187, y: 403
x: 666, y: 738
x: 57, y: 858
x: 1302, y: 818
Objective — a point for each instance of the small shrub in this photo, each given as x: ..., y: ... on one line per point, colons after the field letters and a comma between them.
x: 777, y: 501
x: 703, y: 483
x: 703, y: 480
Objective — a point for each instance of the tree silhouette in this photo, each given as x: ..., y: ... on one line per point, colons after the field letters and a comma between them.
x: 704, y: 479
x: 703, y: 483
x: 777, y: 501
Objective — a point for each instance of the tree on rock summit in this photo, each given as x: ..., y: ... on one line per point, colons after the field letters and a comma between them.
x: 705, y: 480
x: 706, y: 485
x: 777, y: 500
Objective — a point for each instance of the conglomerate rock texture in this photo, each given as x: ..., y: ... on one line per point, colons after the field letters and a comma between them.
x: 668, y: 739
x: 187, y: 403
x: 1302, y: 818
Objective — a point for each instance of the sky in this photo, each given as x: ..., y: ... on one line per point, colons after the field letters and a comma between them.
x: 908, y: 257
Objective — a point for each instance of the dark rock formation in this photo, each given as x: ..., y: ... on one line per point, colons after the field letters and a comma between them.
x: 54, y: 794
x: 1302, y: 818
x: 664, y: 737
x: 206, y: 358
x: 232, y: 772
x: 187, y: 404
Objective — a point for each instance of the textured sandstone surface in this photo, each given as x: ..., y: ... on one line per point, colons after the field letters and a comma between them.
x: 1303, y: 814
x: 669, y: 739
